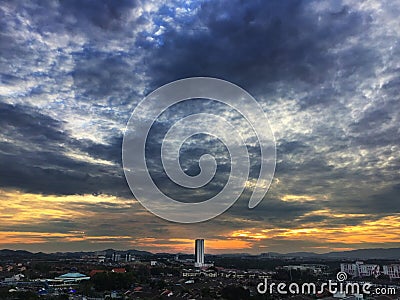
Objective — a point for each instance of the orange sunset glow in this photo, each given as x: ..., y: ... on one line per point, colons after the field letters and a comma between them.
x: 34, y: 211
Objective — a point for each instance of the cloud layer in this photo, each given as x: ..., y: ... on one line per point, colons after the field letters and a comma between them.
x: 325, y: 72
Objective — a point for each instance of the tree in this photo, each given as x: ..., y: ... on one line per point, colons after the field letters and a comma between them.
x: 232, y: 292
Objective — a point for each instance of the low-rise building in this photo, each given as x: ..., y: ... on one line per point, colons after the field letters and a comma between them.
x: 118, y: 270
x: 393, y: 271
x: 94, y: 272
x: 316, y: 269
x: 359, y: 269
x: 72, y: 277
x: 14, y: 278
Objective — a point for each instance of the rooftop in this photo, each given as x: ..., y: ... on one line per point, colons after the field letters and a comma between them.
x: 72, y: 275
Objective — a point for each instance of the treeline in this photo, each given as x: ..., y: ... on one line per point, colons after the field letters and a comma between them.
x: 108, y: 281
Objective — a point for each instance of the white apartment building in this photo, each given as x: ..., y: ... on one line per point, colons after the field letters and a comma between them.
x: 393, y: 271
x: 359, y: 269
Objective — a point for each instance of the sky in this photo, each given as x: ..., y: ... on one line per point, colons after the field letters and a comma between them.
x: 326, y: 73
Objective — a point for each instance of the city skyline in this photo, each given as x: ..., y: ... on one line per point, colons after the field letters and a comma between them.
x: 326, y: 74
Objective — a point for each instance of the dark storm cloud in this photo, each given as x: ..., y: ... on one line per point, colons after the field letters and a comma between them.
x: 256, y: 44
x: 90, y: 17
x: 384, y: 201
x: 105, y: 79
x: 26, y: 123
x: 98, y: 77
x: 107, y: 15
x: 378, y: 127
x: 371, y: 120
x: 110, y: 152
x: 291, y: 147
x: 35, y: 159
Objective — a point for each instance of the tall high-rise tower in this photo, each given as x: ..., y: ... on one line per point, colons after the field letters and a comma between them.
x: 199, y: 253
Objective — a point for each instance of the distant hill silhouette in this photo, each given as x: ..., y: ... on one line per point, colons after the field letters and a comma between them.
x: 109, y: 252
x: 378, y: 253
